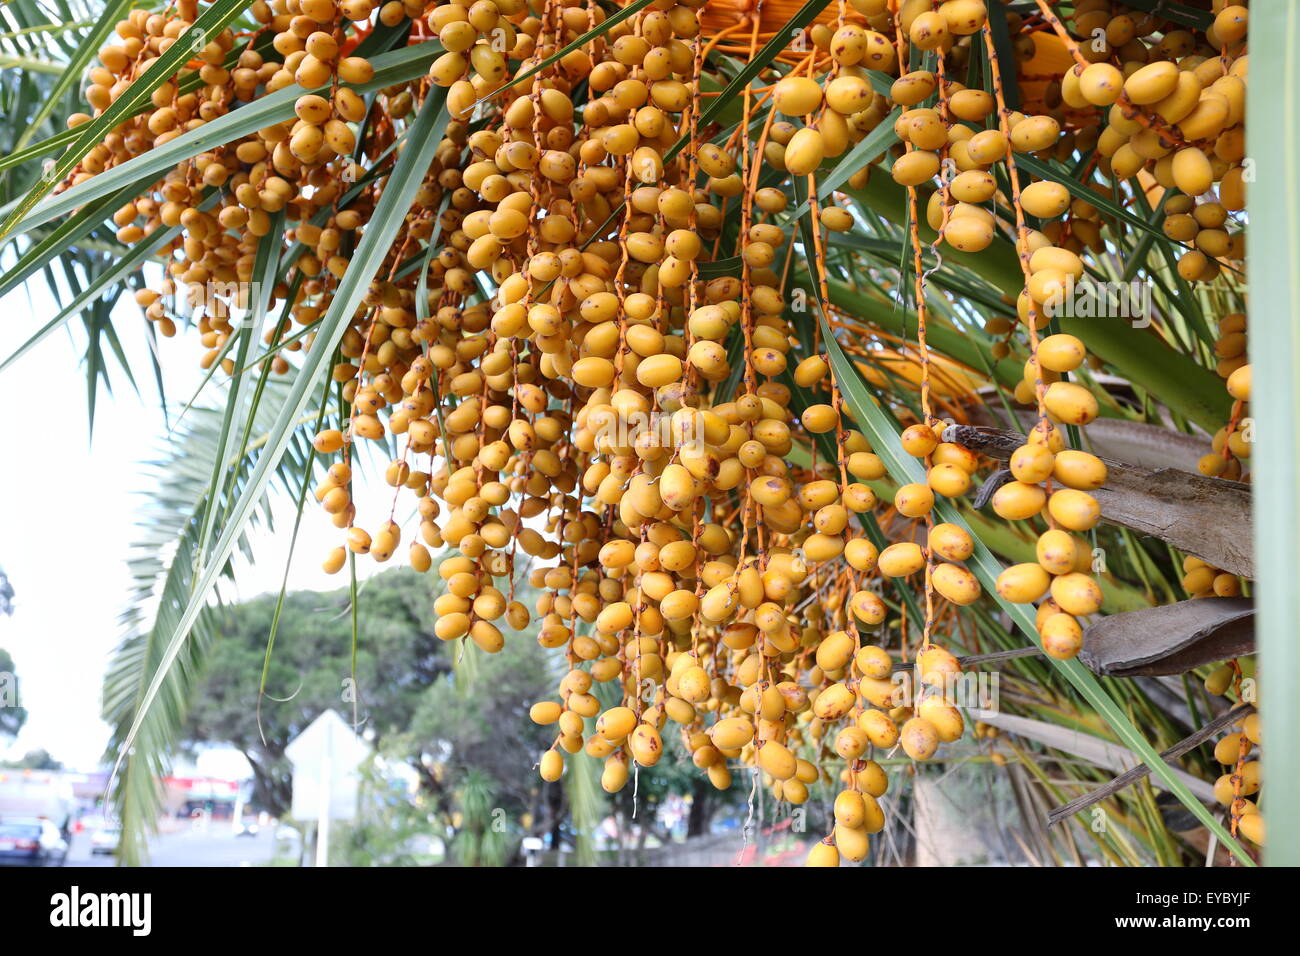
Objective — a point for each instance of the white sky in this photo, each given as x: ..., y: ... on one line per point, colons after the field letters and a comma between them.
x: 68, y: 509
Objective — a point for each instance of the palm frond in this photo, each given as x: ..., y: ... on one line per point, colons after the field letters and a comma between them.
x: 161, y: 563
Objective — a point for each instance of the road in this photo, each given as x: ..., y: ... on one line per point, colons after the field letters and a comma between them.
x: 214, y: 847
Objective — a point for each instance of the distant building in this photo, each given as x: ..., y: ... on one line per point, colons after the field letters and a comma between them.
x: 188, y: 796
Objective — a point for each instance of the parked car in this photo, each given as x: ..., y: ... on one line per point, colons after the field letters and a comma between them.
x: 32, y: 843
x: 106, y: 837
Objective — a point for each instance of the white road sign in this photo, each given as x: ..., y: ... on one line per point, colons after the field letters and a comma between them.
x: 326, y: 758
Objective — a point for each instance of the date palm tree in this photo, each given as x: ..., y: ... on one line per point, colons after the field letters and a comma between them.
x: 249, y: 432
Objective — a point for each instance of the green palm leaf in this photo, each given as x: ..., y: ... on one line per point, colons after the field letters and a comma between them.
x: 404, y: 181
x: 161, y: 565
x: 210, y: 23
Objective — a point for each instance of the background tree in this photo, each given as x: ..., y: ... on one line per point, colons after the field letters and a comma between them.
x: 478, y: 719
x: 483, y: 837
x: 391, y: 829
x: 35, y: 760
x: 458, y: 717
x: 12, y: 714
x: 6, y: 594
x: 310, y: 671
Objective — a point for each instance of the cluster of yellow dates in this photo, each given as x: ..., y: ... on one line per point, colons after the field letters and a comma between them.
x: 579, y: 398
x: 1243, y: 780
